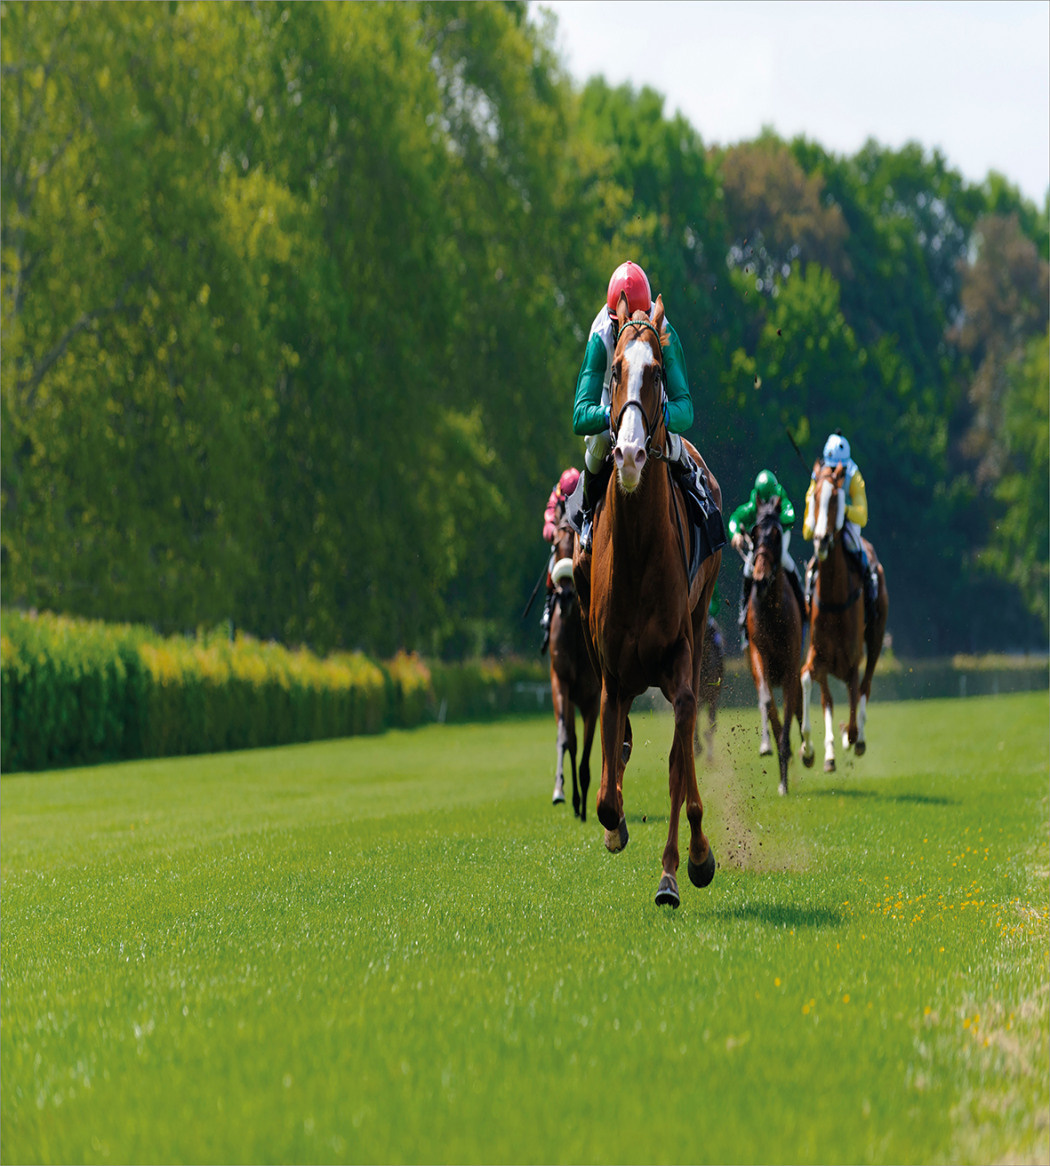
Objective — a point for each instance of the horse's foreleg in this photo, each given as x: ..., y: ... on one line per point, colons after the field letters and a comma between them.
x: 829, y: 727
x: 849, y: 732
x: 610, y: 799
x: 559, y: 766
x: 683, y: 788
x: 558, y: 697
x: 590, y: 720
x: 806, y: 728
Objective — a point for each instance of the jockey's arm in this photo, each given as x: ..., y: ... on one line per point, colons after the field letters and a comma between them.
x: 588, y: 413
x: 857, y: 504
x: 807, y: 514
x: 740, y: 523
x: 679, y: 399
x: 787, y: 511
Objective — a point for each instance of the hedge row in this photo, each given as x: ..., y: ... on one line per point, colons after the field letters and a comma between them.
x: 75, y: 692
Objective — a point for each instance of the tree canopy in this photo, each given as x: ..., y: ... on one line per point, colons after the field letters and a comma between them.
x: 294, y: 296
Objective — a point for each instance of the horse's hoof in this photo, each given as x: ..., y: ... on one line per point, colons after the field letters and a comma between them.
x: 558, y: 799
x: 782, y: 789
x: 829, y: 765
x: 702, y: 874
x: 765, y: 750
x: 860, y: 748
x: 808, y: 759
x: 667, y: 892
x: 616, y: 840
x: 845, y: 743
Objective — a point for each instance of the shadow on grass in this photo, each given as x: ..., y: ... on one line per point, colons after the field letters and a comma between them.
x: 907, y: 799
x: 781, y: 915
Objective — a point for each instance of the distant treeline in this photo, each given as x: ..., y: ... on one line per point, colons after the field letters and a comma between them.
x: 294, y: 297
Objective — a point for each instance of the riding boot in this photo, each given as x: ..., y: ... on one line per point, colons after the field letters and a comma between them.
x: 593, y: 490
x: 871, y: 596
x: 545, y: 621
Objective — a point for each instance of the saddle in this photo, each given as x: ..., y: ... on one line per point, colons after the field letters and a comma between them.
x: 706, y: 530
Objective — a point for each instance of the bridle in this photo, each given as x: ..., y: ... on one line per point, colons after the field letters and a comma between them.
x: 650, y: 426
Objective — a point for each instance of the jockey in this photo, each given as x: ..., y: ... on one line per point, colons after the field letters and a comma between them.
x: 741, y: 522
x: 837, y: 453
x: 591, y: 410
x: 551, y: 517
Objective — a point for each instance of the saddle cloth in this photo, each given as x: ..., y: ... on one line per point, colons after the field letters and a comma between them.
x: 703, y: 518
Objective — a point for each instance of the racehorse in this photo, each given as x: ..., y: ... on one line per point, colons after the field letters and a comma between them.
x: 646, y: 621
x: 712, y: 676
x: 774, y: 634
x: 837, y: 635
x: 574, y: 682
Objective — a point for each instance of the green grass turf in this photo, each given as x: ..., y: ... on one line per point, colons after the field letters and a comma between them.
x: 395, y: 949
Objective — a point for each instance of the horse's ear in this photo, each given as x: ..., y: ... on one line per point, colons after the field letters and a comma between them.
x: 658, y: 322
x: 622, y: 310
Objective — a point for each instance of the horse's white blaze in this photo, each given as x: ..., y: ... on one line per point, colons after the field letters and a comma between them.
x: 840, y: 512
x: 820, y: 526
x: 630, y: 440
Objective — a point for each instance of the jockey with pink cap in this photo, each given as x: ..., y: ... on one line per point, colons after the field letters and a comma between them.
x: 591, y: 410
x: 552, y: 516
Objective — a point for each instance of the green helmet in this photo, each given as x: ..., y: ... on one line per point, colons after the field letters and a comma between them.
x: 766, y: 485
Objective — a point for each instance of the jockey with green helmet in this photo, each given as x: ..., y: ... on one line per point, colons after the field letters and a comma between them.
x: 837, y: 453
x: 591, y: 416
x: 741, y: 523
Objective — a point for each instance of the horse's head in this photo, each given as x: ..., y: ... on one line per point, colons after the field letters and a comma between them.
x: 768, y: 540
x: 828, y: 507
x: 637, y: 389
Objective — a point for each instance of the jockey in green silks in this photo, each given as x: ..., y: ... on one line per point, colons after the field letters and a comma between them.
x: 741, y: 522
x: 591, y: 410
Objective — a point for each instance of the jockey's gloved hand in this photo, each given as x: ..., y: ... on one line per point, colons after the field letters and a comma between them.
x: 674, y: 447
x: 608, y: 417
x: 740, y: 542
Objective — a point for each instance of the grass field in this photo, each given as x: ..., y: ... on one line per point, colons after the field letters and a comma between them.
x: 395, y: 949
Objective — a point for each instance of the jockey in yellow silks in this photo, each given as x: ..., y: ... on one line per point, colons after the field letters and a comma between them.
x: 837, y: 453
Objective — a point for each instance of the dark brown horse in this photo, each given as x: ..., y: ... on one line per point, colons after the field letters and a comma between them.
x: 712, y: 676
x: 837, y: 635
x: 774, y: 633
x: 646, y: 621
x: 574, y: 683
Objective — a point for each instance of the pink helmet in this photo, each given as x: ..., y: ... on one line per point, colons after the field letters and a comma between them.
x: 567, y: 482
x: 630, y: 278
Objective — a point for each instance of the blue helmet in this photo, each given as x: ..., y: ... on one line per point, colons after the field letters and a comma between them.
x: 836, y: 450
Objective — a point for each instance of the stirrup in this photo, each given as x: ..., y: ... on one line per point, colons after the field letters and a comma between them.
x: 587, y: 534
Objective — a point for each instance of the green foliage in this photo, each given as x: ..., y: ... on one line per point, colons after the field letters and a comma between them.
x: 78, y: 692
x: 359, y: 951
x: 293, y: 297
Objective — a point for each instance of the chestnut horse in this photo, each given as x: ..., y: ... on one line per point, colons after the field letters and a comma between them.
x: 712, y: 676
x: 574, y: 683
x: 774, y: 633
x: 646, y: 621
x: 837, y: 635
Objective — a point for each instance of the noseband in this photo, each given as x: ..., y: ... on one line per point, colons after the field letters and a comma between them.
x: 637, y: 404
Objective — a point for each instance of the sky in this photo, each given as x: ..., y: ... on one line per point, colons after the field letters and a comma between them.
x: 967, y: 77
